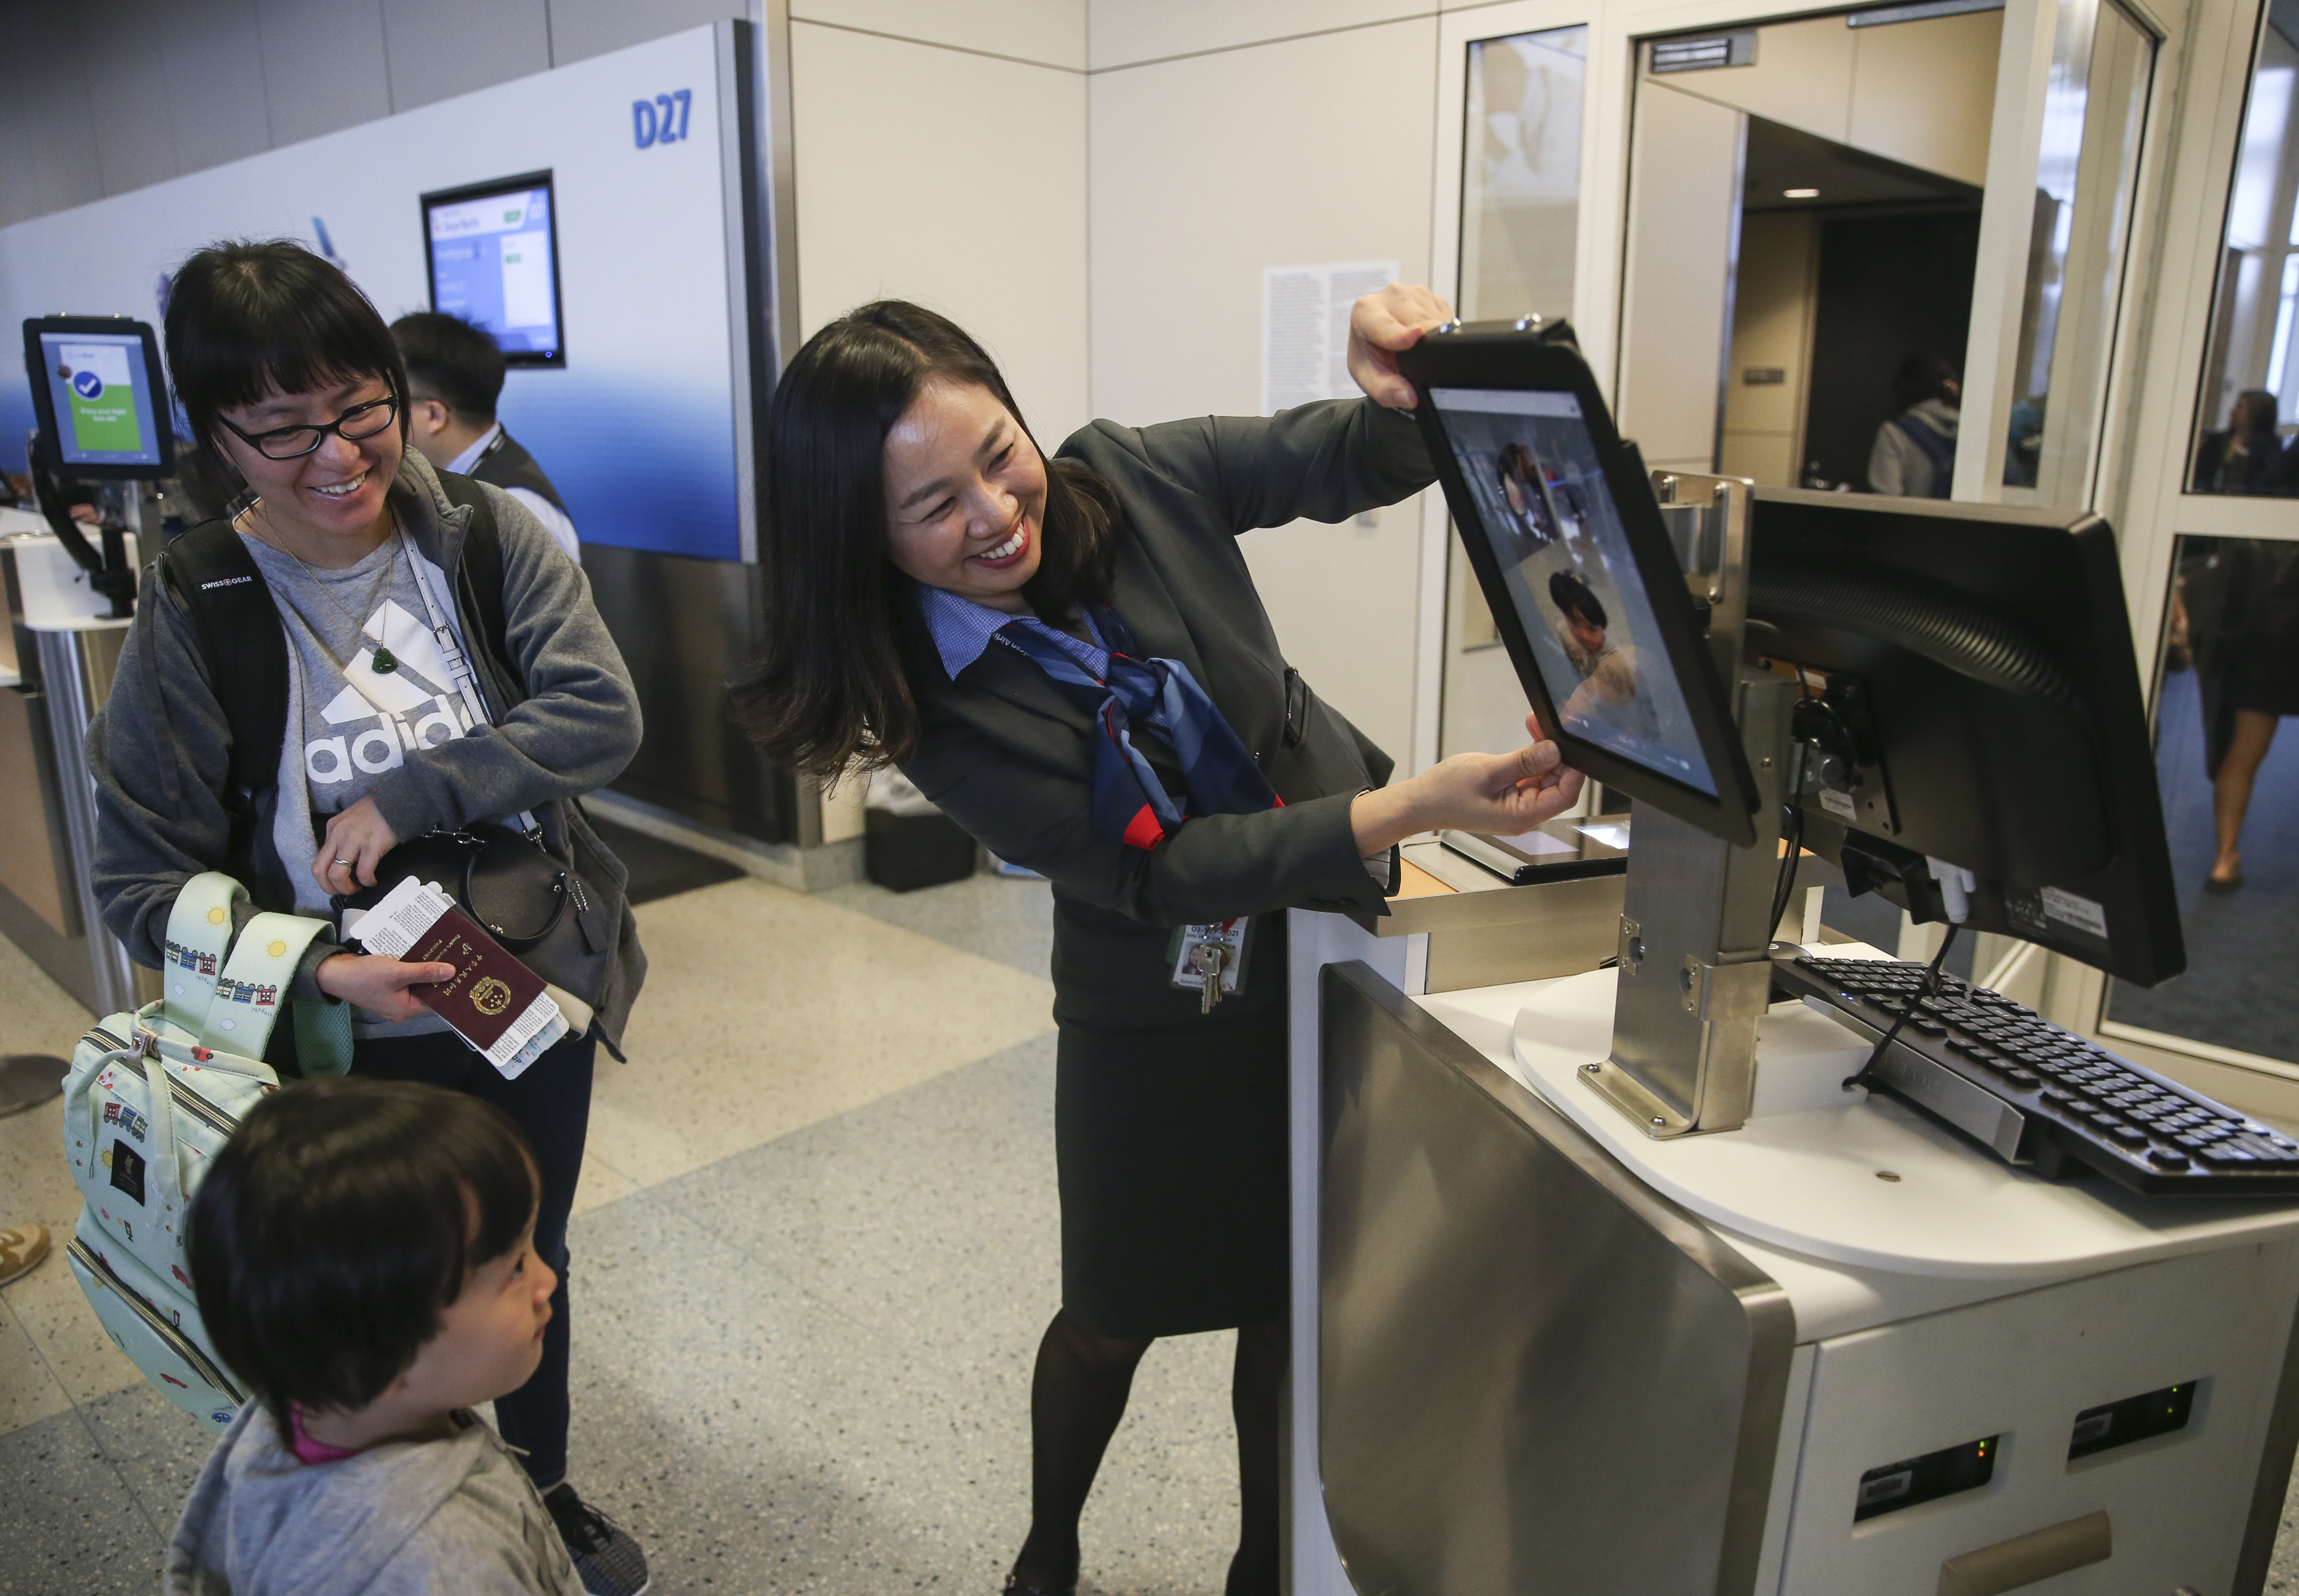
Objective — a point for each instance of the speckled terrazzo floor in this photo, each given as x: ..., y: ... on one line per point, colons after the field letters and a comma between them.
x: 803, y: 1329
x: 801, y: 1360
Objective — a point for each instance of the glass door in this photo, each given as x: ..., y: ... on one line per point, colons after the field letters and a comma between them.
x: 2226, y: 670
x: 1520, y: 74
x: 2087, y: 174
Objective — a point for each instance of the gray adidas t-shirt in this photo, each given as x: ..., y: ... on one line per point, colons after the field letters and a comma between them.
x: 347, y: 723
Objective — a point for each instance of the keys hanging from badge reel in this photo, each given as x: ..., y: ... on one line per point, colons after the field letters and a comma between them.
x: 1209, y: 960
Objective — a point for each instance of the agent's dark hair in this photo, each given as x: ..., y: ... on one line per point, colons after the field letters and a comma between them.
x: 247, y: 320
x: 1921, y: 376
x: 451, y: 359
x: 335, y: 1224
x: 1575, y: 597
x: 831, y: 687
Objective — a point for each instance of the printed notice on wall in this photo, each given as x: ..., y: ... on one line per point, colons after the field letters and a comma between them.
x: 1305, y: 329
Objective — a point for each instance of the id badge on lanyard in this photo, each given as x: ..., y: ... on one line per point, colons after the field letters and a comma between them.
x: 1209, y: 960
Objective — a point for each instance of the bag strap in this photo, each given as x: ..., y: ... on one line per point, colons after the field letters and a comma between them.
x: 482, y: 574
x: 249, y: 991
x: 199, y: 932
x: 1936, y: 448
x: 215, y: 578
x: 160, y: 1104
x: 479, y: 579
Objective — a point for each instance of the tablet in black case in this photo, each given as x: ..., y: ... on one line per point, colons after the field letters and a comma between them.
x: 1561, y: 527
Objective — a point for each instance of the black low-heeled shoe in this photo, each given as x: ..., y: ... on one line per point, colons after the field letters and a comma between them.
x: 1015, y: 1585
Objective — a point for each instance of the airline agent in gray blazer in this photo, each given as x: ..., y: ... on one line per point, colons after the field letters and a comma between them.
x: 948, y: 600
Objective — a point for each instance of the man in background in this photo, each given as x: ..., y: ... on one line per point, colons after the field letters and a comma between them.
x: 454, y: 377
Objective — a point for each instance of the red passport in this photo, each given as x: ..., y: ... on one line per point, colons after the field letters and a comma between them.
x: 491, y: 990
x: 495, y: 1003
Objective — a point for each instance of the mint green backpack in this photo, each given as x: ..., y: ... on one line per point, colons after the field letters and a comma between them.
x: 150, y: 1098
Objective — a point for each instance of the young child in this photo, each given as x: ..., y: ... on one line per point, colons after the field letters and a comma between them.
x: 362, y: 1253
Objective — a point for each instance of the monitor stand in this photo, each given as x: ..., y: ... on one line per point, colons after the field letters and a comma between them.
x: 1696, y: 971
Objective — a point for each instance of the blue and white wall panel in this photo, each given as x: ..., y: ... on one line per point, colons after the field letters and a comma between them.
x: 642, y: 428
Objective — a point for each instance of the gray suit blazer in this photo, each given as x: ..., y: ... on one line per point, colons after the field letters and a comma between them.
x: 1009, y: 755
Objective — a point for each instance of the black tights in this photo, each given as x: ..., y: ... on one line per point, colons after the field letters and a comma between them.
x: 1077, y: 1395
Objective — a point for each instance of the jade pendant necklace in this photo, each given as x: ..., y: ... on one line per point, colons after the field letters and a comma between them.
x: 385, y: 661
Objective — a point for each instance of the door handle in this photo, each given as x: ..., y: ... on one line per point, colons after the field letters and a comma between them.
x: 2023, y: 1560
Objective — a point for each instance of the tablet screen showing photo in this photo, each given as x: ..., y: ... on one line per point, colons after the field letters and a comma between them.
x: 1530, y: 462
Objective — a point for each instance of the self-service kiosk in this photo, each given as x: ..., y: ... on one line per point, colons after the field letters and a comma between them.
x: 99, y: 399
x: 1719, y: 1262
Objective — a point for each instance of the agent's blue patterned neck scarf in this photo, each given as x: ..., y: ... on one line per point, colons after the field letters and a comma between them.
x: 1130, y: 803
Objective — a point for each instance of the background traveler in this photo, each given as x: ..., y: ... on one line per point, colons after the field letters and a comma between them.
x: 1915, y: 453
x: 455, y: 379
x: 2241, y: 459
x: 22, y: 1249
x: 2235, y: 608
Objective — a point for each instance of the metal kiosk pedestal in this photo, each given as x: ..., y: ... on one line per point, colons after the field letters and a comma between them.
x: 61, y: 654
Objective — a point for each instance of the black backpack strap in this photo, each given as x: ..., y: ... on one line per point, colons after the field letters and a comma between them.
x: 479, y: 584
x: 481, y: 575
x: 213, y: 576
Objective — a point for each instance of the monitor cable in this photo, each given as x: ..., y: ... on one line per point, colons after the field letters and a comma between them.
x: 1865, y: 1075
x: 1792, y: 834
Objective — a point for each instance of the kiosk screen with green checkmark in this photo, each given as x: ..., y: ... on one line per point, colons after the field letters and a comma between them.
x: 103, y: 399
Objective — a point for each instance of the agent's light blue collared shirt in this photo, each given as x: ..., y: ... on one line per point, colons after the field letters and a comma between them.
x: 962, y: 629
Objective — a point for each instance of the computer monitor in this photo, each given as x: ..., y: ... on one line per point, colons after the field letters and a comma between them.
x: 1567, y: 542
x: 494, y: 254
x: 1970, y: 694
x: 99, y: 397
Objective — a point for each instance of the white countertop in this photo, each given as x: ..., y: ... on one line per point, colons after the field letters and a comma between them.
x: 1796, y: 1189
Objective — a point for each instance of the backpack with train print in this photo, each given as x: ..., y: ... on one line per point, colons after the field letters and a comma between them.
x: 150, y: 1098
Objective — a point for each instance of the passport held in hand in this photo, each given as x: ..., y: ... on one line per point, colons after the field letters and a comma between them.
x: 493, y: 1002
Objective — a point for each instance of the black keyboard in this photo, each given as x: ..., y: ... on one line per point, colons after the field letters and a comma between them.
x: 2037, y: 1096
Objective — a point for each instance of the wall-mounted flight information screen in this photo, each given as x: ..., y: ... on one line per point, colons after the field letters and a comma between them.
x: 495, y: 260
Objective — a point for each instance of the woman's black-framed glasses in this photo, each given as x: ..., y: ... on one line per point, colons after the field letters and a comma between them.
x: 293, y: 443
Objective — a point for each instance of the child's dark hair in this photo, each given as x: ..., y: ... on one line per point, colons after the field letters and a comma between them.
x: 1575, y: 597
x: 452, y: 360
x: 335, y: 1224
x: 247, y: 320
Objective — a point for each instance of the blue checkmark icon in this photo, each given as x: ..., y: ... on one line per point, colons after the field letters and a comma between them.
x: 87, y: 384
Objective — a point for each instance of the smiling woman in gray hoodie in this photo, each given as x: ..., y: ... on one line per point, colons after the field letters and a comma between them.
x: 421, y: 676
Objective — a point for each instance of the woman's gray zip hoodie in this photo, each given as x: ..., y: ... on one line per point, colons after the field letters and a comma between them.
x: 160, y: 750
